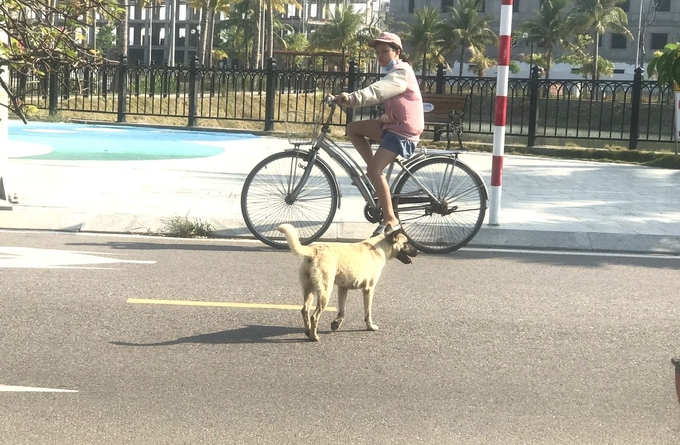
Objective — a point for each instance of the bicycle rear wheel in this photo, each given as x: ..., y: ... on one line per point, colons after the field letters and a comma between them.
x: 456, y: 216
x: 266, y: 200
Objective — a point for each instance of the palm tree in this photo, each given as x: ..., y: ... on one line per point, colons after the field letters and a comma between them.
x: 209, y: 9
x: 342, y: 31
x: 467, y: 29
x: 272, y: 6
x: 597, y: 17
x: 237, y: 33
x: 424, y: 35
x: 550, y: 29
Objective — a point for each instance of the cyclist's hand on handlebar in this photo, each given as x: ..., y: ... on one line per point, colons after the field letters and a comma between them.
x: 341, y: 99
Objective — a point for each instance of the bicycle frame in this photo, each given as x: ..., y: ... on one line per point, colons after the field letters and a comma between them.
x: 299, y: 186
x: 342, y: 158
x: 359, y: 178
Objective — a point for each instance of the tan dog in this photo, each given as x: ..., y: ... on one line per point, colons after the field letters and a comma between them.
x: 349, y: 266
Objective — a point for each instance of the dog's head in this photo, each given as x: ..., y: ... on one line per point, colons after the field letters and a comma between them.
x: 401, y: 249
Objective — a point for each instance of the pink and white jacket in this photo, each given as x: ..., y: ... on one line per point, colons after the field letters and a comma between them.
x: 400, y: 93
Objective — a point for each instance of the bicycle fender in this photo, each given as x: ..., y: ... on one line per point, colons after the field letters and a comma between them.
x: 422, y: 159
x: 307, y: 154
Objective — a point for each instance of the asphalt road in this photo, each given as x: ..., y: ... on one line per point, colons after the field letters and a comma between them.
x: 476, y: 347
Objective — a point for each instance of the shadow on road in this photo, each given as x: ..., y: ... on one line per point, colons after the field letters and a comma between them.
x: 246, y: 334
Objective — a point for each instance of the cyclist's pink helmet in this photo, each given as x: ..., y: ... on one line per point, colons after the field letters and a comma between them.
x: 386, y: 37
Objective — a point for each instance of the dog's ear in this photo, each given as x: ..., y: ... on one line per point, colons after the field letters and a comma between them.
x: 390, y: 233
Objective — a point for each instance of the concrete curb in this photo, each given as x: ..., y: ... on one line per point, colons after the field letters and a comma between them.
x: 346, y: 231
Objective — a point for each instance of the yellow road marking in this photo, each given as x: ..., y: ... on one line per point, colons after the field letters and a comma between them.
x: 288, y: 307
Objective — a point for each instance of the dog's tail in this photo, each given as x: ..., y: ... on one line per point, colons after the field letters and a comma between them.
x: 294, y: 240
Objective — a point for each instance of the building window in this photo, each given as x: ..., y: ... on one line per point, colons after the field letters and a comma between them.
x: 411, y: 6
x: 663, y: 5
x: 446, y: 4
x: 619, y: 41
x: 659, y: 41
x: 515, y: 6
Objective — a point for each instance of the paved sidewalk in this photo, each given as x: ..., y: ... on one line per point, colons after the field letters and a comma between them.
x: 546, y: 203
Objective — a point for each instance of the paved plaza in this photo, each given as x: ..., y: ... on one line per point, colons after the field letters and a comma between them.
x: 123, y: 179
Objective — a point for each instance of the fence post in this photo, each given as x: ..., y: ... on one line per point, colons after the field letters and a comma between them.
x: 86, y: 81
x: 121, y: 75
x: 105, y: 78
x: 533, y: 106
x: 440, y: 79
x: 636, y: 103
x: 351, y: 86
x: 192, y: 91
x: 54, y: 93
x: 270, y: 95
x: 152, y: 79
x: 164, y: 80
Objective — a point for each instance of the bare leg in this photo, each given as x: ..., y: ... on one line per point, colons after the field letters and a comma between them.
x: 360, y: 133
x: 368, y: 303
x: 342, y: 303
x: 381, y: 159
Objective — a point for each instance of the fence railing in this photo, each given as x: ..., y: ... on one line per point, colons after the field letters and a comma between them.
x: 631, y: 111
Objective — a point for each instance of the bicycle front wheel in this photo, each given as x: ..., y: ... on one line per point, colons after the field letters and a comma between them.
x: 454, y: 217
x: 267, y: 198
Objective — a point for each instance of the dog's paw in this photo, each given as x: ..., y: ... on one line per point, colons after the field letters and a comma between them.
x: 308, y: 333
x: 336, y: 324
x: 372, y: 327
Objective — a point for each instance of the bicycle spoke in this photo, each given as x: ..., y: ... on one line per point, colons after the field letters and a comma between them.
x: 267, y: 202
x: 452, y: 220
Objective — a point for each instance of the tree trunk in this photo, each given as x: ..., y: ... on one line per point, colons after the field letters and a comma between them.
x: 122, y: 31
x: 210, y: 39
x: 203, y: 39
x: 462, y: 59
x: 270, y: 31
x: 256, y: 37
x: 596, y: 75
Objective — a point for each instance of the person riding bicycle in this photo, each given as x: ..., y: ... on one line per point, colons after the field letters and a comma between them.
x: 398, y: 129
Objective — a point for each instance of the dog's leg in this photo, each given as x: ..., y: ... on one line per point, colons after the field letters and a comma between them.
x: 307, y: 307
x: 342, y: 301
x: 325, y: 287
x: 368, y: 303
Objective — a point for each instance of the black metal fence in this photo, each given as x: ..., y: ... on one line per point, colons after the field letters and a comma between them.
x: 629, y: 111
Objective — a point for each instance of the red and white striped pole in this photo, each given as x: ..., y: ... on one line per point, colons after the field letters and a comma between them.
x: 504, y: 45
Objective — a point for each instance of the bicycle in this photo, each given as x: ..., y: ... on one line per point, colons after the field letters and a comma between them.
x: 440, y: 200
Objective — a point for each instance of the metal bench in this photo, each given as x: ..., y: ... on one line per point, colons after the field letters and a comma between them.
x: 444, y: 112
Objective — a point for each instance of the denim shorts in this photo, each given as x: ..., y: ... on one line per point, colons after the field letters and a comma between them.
x: 397, y: 144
